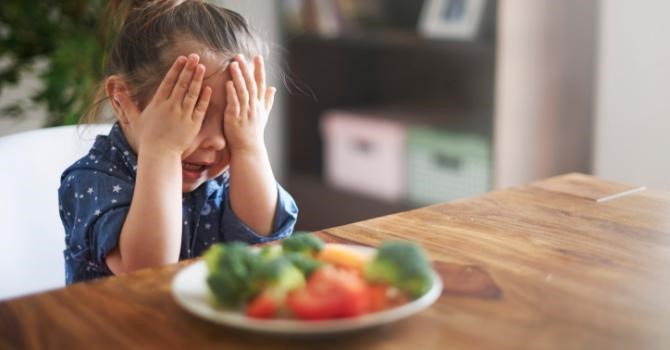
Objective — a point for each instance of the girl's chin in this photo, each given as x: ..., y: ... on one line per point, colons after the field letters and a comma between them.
x: 190, y: 187
x: 192, y: 180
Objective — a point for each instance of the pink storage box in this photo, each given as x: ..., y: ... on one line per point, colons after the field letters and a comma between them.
x: 365, y: 154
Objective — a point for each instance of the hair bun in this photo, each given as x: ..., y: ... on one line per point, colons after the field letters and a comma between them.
x: 120, y: 10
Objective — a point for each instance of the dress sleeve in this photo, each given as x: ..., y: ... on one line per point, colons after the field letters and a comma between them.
x: 286, y: 214
x: 94, y: 206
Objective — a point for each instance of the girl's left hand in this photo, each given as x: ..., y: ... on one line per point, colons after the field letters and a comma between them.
x: 249, y: 102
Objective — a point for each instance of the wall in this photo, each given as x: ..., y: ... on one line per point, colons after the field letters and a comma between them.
x: 633, y: 101
x: 544, y: 89
x: 263, y: 17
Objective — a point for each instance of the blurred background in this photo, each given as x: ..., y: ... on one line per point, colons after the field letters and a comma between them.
x: 388, y: 105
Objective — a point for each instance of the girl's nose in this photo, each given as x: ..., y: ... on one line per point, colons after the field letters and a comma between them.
x: 212, y: 137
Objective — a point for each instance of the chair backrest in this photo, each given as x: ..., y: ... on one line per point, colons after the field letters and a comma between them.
x: 31, y: 233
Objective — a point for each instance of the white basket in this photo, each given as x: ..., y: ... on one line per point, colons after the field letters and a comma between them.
x: 365, y: 155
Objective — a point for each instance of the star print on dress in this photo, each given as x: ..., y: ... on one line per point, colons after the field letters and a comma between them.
x: 116, y: 188
x: 90, y: 190
x: 206, y: 209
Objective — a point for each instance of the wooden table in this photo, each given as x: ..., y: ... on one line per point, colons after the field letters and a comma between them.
x: 571, y: 262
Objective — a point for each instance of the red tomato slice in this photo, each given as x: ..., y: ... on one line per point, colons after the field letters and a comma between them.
x: 307, y: 305
x: 377, y: 297
x: 330, y: 293
x: 263, y: 306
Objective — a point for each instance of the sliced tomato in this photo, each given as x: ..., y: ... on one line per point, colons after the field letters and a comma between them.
x: 377, y: 297
x: 262, y: 306
x: 330, y: 293
x: 306, y: 305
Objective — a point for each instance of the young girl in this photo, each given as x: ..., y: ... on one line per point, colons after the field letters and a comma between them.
x: 185, y: 164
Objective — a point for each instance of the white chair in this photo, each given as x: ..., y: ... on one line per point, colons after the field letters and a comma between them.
x: 32, y: 238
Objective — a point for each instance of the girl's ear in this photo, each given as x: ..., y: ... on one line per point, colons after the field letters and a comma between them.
x: 115, y: 86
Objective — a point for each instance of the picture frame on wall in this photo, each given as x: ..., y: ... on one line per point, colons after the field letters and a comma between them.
x: 451, y: 19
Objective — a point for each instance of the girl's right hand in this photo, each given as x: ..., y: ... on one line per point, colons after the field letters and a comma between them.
x: 173, y: 117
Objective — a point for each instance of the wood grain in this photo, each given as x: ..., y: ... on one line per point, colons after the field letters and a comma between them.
x: 544, y: 266
x: 582, y: 186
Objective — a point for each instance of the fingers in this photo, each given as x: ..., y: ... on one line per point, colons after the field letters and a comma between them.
x: 240, y: 84
x: 185, y: 77
x: 233, y: 105
x: 248, y: 78
x: 167, y: 85
x: 194, y: 88
x: 269, y: 98
x: 259, y: 75
x: 203, y: 103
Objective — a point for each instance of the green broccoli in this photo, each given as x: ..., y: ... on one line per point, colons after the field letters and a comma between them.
x: 304, y: 263
x: 270, y: 252
x: 278, y: 275
x: 302, y: 242
x: 230, y: 269
x: 402, y: 265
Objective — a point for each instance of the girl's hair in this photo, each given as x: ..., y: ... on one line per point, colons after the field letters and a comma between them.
x: 152, y: 32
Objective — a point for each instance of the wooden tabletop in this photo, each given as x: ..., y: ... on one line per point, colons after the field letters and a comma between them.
x: 571, y: 262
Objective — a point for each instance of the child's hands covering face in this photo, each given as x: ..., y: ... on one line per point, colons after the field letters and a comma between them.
x: 249, y: 102
x: 173, y: 118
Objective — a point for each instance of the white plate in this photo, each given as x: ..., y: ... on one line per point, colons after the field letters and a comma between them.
x: 190, y: 290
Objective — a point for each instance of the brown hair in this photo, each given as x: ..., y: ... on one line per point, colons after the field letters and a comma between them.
x: 150, y: 32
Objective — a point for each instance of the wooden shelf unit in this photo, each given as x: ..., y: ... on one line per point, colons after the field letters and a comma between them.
x: 389, y: 69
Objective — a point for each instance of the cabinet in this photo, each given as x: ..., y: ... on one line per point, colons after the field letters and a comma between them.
x: 430, y: 82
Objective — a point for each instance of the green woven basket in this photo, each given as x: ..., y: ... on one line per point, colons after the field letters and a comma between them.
x: 446, y: 165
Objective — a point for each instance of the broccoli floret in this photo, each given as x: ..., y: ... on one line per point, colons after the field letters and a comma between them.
x: 230, y: 269
x: 402, y: 265
x: 303, y: 262
x: 270, y: 252
x: 278, y: 274
x: 302, y: 242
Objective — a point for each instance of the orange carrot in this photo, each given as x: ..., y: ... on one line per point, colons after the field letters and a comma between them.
x: 343, y: 256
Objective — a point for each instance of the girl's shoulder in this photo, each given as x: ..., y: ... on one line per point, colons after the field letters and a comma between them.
x: 101, y: 162
x: 110, y: 156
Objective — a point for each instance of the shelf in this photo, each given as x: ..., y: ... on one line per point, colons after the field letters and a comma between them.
x: 322, y: 206
x: 385, y: 72
x: 390, y: 39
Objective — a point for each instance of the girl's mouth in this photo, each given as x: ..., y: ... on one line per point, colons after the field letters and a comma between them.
x: 192, y: 167
x: 193, y: 171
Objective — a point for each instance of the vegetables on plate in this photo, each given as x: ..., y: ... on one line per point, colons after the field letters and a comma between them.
x: 305, y: 278
x: 401, y: 265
